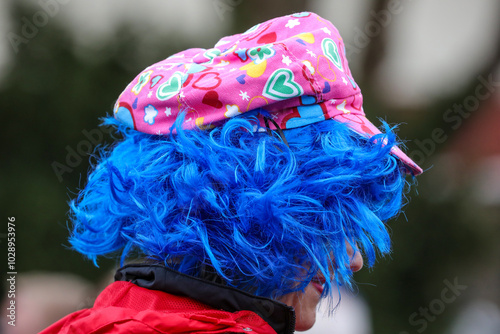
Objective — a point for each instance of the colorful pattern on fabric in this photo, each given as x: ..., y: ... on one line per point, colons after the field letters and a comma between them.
x: 292, y: 69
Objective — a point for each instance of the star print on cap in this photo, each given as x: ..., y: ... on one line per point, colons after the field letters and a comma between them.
x: 292, y: 69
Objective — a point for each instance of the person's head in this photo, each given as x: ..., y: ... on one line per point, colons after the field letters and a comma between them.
x: 202, y: 182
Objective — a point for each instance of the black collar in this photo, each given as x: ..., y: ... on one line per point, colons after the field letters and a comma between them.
x: 279, y: 316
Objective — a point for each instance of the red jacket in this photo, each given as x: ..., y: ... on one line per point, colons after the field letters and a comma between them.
x: 125, y: 308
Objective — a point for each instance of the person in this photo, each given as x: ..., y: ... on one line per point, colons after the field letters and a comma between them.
x: 247, y: 186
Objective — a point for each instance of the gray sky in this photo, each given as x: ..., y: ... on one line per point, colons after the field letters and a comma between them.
x: 434, y: 46
x: 439, y: 56
x: 93, y: 21
x: 196, y: 19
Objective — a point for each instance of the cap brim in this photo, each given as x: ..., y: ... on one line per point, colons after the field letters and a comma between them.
x: 363, y: 126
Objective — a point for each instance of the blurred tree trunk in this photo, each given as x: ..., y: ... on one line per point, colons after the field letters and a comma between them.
x: 250, y: 12
x: 375, y: 51
x: 494, y: 64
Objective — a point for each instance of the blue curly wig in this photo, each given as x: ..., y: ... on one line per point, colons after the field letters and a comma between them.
x: 263, y: 216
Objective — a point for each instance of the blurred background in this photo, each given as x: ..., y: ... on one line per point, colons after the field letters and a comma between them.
x: 432, y: 66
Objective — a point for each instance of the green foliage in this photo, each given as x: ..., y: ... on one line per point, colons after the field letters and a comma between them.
x: 53, y: 94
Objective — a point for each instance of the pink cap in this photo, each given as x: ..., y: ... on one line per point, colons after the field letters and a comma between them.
x: 291, y: 69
